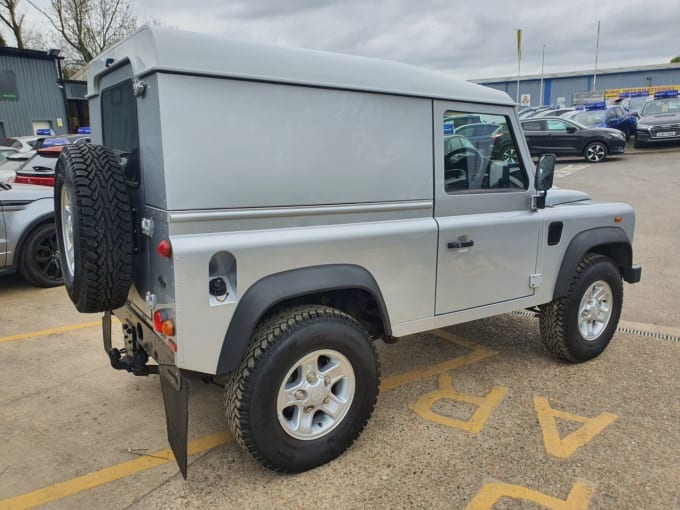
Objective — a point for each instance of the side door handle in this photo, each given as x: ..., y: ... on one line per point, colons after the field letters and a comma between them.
x: 454, y: 245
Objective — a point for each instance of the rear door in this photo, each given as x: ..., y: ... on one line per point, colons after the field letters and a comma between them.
x: 488, y: 233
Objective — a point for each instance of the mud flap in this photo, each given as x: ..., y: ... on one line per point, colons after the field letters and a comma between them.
x: 175, y: 389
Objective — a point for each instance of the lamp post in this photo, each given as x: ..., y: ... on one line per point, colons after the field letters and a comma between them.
x: 597, y: 49
x: 540, y: 102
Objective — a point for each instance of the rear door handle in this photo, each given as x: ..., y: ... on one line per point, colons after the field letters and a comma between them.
x: 454, y: 245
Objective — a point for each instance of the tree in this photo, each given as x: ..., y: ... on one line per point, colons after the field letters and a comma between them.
x: 675, y: 60
x: 13, y: 20
x: 87, y: 27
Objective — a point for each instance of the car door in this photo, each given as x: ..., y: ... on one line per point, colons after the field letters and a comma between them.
x: 3, y: 235
x: 488, y: 233
x: 536, y: 136
x: 563, y: 137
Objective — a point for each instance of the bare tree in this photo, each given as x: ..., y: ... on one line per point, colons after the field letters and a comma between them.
x: 87, y: 27
x: 13, y: 20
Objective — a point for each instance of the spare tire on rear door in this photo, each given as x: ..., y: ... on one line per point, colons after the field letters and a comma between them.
x: 94, y: 227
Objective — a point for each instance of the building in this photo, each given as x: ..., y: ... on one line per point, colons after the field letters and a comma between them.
x: 34, y: 96
x: 571, y: 88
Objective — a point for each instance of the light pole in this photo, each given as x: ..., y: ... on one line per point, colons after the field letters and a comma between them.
x: 519, y: 60
x: 597, y: 49
x: 540, y: 102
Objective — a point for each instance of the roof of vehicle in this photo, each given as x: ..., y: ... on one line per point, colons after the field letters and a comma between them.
x: 161, y: 49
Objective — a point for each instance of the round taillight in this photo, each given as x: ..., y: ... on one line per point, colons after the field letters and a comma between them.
x: 164, y: 249
x: 158, y: 321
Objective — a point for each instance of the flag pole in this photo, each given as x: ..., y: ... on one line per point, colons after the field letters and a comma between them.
x: 597, y: 49
x: 540, y: 102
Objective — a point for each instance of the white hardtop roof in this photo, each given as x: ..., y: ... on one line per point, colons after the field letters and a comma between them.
x: 160, y: 49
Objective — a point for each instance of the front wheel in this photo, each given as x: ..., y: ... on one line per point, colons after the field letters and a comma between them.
x: 305, y: 389
x: 596, y: 152
x: 580, y: 325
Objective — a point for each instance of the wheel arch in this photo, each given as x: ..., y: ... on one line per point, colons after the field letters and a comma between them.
x: 347, y: 287
x: 25, y: 234
x: 609, y: 241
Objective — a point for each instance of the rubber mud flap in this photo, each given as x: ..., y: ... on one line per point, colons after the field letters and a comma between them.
x: 175, y: 389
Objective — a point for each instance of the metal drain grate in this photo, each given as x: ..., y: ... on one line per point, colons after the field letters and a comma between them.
x: 620, y: 329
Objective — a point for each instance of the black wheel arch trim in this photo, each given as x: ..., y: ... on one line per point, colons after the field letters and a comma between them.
x: 279, y: 287
x: 610, y: 241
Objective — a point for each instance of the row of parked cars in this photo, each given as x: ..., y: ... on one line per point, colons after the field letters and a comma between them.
x: 28, y: 239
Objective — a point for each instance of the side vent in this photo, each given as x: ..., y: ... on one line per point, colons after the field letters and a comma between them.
x: 555, y: 233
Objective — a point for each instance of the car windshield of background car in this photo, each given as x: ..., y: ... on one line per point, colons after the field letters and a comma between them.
x: 589, y: 119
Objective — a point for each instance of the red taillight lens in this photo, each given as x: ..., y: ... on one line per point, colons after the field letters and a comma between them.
x: 158, y: 321
x: 40, y: 181
x: 164, y: 249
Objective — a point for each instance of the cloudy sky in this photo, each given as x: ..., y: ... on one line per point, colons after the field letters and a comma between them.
x: 472, y: 39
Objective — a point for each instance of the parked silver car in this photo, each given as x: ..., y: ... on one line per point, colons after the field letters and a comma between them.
x: 28, y: 237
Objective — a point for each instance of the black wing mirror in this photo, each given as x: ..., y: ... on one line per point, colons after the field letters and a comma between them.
x: 543, y: 180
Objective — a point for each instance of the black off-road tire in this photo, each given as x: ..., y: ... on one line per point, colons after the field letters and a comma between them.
x: 102, y: 227
x: 559, y: 319
x: 39, y: 259
x: 250, y: 395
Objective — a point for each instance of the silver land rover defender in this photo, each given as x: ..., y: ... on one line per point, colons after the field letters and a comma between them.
x: 264, y: 215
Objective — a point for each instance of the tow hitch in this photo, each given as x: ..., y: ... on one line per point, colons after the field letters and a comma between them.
x: 175, y: 386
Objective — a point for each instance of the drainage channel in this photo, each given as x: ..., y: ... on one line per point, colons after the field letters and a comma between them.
x: 621, y: 329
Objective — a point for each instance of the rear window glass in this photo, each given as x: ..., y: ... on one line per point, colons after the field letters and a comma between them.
x: 119, y: 125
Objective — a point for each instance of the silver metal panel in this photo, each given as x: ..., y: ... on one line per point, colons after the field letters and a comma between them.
x: 38, y: 96
x: 400, y: 255
x: 261, y: 145
x: 159, y: 49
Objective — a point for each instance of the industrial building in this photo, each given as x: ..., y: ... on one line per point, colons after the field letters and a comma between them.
x: 575, y: 87
x: 34, y: 96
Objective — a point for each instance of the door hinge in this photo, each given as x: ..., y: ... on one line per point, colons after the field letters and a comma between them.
x: 535, y: 280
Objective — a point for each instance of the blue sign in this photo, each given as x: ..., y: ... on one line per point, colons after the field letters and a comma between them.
x: 84, y: 130
x: 43, y: 131
x: 51, y: 142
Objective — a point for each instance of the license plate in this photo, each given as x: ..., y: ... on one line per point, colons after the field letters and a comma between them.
x: 663, y: 134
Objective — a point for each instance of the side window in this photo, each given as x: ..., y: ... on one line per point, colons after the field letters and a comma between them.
x: 481, y: 155
x: 532, y: 125
x: 120, y: 131
x: 556, y: 125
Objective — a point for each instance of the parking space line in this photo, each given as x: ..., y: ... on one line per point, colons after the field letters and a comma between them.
x: 110, y: 474
x: 51, y: 331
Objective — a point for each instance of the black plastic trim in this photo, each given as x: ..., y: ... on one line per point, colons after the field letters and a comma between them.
x: 596, y: 240
x: 274, y: 289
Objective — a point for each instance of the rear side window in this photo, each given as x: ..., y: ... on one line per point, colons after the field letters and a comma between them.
x: 120, y: 130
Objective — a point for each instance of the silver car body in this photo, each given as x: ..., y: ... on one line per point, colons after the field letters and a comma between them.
x: 22, y: 207
x: 314, y: 160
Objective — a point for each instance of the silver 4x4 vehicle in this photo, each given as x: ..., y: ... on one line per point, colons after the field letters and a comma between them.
x: 325, y: 208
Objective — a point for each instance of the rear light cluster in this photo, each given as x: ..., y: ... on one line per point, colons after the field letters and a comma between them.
x: 163, y: 323
x: 41, y: 181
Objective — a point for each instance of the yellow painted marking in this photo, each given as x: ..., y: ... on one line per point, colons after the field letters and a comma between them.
x: 485, y: 405
x: 578, y: 498
x: 76, y: 485
x: 460, y: 361
x: 109, y: 474
x: 51, y: 331
x: 565, y: 448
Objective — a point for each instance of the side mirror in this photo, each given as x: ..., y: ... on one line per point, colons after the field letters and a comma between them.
x: 635, y: 114
x: 571, y: 129
x: 545, y: 170
x: 543, y: 180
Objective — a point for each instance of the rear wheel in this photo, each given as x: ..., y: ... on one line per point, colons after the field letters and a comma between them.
x: 39, y: 262
x: 305, y: 389
x: 94, y: 227
x: 596, y: 152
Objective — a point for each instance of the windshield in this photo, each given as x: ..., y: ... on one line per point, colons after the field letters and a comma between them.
x: 659, y: 106
x: 589, y: 118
